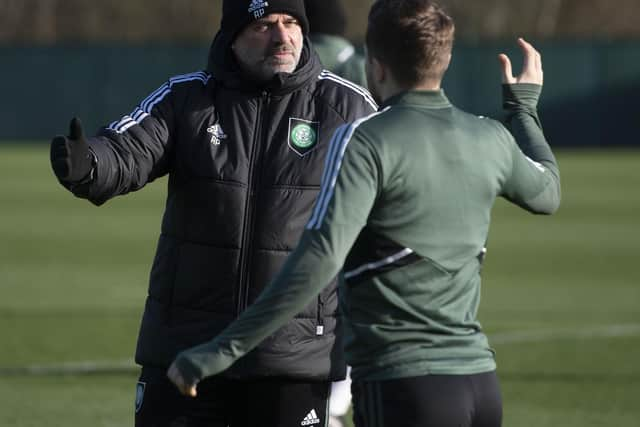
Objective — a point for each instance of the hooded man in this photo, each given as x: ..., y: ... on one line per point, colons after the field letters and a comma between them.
x: 243, y: 144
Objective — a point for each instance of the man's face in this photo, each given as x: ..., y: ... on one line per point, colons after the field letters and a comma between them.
x: 269, y: 45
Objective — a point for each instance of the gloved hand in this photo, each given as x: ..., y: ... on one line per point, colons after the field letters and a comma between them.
x: 71, y: 159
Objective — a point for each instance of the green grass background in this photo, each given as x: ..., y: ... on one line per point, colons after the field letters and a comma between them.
x: 73, y: 279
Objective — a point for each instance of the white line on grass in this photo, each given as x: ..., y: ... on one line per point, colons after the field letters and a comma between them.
x: 610, y: 331
x: 72, y: 368
x: 129, y: 366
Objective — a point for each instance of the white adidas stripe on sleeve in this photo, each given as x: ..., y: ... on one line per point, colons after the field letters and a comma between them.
x: 328, y: 75
x: 144, y: 109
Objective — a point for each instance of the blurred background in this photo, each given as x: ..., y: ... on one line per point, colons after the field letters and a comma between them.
x: 98, y: 59
x: 561, y: 295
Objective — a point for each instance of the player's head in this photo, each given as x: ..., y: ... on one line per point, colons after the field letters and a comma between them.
x: 266, y: 35
x: 411, y: 39
x: 326, y: 17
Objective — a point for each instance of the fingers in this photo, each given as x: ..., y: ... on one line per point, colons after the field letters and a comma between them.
x: 507, y: 71
x: 59, y: 156
x: 58, y: 143
x: 176, y: 378
x: 191, y: 391
x: 59, y: 148
x: 534, y: 56
x: 71, y: 159
x: 532, y: 63
x: 527, y: 51
x: 75, y: 129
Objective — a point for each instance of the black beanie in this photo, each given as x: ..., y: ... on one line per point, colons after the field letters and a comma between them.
x: 237, y: 14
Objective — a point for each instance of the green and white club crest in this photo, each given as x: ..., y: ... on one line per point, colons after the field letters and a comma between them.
x: 303, y: 135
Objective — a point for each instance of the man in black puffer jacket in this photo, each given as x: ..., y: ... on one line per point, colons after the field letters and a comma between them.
x: 244, y: 145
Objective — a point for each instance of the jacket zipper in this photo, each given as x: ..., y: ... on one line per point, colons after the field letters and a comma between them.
x: 255, y: 171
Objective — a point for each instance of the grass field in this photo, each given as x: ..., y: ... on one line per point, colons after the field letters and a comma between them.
x: 561, y: 297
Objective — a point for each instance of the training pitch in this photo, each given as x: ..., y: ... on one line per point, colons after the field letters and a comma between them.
x: 560, y: 303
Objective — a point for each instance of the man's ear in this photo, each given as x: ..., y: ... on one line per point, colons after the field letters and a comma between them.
x: 380, y: 73
x: 448, y: 62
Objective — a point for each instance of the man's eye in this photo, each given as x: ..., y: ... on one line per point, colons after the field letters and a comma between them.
x: 261, y: 28
x: 291, y: 22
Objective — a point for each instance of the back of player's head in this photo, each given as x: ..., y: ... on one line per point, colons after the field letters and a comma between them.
x: 413, y: 38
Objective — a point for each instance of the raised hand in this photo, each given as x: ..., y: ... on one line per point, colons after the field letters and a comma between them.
x: 531, y: 66
x: 71, y: 159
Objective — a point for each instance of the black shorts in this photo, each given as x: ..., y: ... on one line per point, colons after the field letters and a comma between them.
x: 430, y: 400
x: 222, y: 402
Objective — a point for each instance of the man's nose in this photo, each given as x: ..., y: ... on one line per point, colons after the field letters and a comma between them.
x: 279, y: 32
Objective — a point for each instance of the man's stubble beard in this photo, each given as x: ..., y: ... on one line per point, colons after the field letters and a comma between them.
x: 271, y: 65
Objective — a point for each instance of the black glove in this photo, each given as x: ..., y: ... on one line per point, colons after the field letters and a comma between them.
x: 71, y: 159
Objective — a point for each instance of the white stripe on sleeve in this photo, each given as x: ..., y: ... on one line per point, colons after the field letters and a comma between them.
x: 144, y: 109
x: 328, y: 75
x: 338, y: 146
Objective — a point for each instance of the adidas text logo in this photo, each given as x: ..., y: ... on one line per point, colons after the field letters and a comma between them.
x: 257, y: 8
x: 217, y: 134
x: 310, y: 419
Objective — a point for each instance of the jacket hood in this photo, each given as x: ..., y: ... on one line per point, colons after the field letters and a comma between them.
x: 224, y: 68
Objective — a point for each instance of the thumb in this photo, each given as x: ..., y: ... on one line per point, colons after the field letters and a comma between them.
x: 75, y: 129
x: 192, y: 392
x: 507, y: 71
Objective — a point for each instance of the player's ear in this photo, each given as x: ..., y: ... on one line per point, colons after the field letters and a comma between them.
x: 378, y: 70
x: 448, y: 62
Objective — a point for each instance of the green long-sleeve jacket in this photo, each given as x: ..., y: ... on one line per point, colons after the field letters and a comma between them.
x: 405, y: 209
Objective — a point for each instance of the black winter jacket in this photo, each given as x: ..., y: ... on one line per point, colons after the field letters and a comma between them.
x: 245, y: 164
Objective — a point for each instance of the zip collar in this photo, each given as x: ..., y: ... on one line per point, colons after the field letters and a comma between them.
x: 420, y: 98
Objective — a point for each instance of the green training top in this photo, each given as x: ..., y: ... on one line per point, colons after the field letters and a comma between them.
x: 405, y: 207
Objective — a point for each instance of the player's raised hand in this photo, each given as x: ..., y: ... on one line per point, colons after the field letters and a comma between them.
x: 176, y: 378
x: 71, y: 159
x: 531, y: 66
